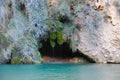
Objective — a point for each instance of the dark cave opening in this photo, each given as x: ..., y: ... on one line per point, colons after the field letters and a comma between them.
x: 61, y: 52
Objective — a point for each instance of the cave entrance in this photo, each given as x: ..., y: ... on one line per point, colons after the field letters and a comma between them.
x: 61, y: 53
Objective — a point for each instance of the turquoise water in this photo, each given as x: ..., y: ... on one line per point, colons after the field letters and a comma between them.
x: 60, y: 72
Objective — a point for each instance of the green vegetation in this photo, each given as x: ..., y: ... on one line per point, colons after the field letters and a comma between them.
x: 15, y: 60
x: 27, y: 61
x: 52, y: 43
x: 38, y: 56
x: 60, y: 39
x: 62, y: 29
x: 56, y: 34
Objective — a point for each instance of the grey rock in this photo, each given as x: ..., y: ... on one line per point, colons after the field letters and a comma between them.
x: 22, y: 23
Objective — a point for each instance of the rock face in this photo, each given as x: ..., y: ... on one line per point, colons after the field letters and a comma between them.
x: 22, y: 23
x: 96, y: 30
x: 92, y: 26
x: 99, y: 35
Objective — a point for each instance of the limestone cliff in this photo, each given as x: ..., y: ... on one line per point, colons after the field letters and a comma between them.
x: 91, y: 26
x: 99, y: 35
x: 96, y: 30
x: 22, y: 23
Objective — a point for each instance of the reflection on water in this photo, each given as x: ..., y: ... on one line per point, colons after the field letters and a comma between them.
x: 60, y: 72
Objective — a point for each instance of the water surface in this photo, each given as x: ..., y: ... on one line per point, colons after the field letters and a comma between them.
x: 59, y: 71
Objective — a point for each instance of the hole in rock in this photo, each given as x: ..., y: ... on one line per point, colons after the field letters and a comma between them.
x: 62, y: 53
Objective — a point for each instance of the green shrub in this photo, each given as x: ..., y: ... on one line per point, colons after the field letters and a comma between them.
x: 60, y: 39
x: 53, y: 35
x: 59, y: 34
x: 55, y: 32
x: 62, y: 29
x: 15, y: 60
x: 56, y: 36
x: 52, y: 43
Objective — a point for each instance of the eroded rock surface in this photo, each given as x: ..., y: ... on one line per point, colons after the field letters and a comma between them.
x: 22, y: 23
x: 96, y: 31
x: 99, y: 35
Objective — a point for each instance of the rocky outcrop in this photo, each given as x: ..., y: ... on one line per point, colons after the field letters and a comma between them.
x: 22, y: 23
x: 91, y: 26
x: 99, y: 35
x: 95, y: 28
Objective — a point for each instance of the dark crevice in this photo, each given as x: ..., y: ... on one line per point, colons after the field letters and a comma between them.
x: 64, y: 19
x: 36, y: 25
x: 86, y: 57
x: 22, y: 8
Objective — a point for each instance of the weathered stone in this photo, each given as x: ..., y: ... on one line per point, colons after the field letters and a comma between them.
x: 23, y: 22
x: 100, y: 30
x: 96, y: 27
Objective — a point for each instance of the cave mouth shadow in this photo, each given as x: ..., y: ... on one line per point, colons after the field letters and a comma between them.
x: 61, y: 51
